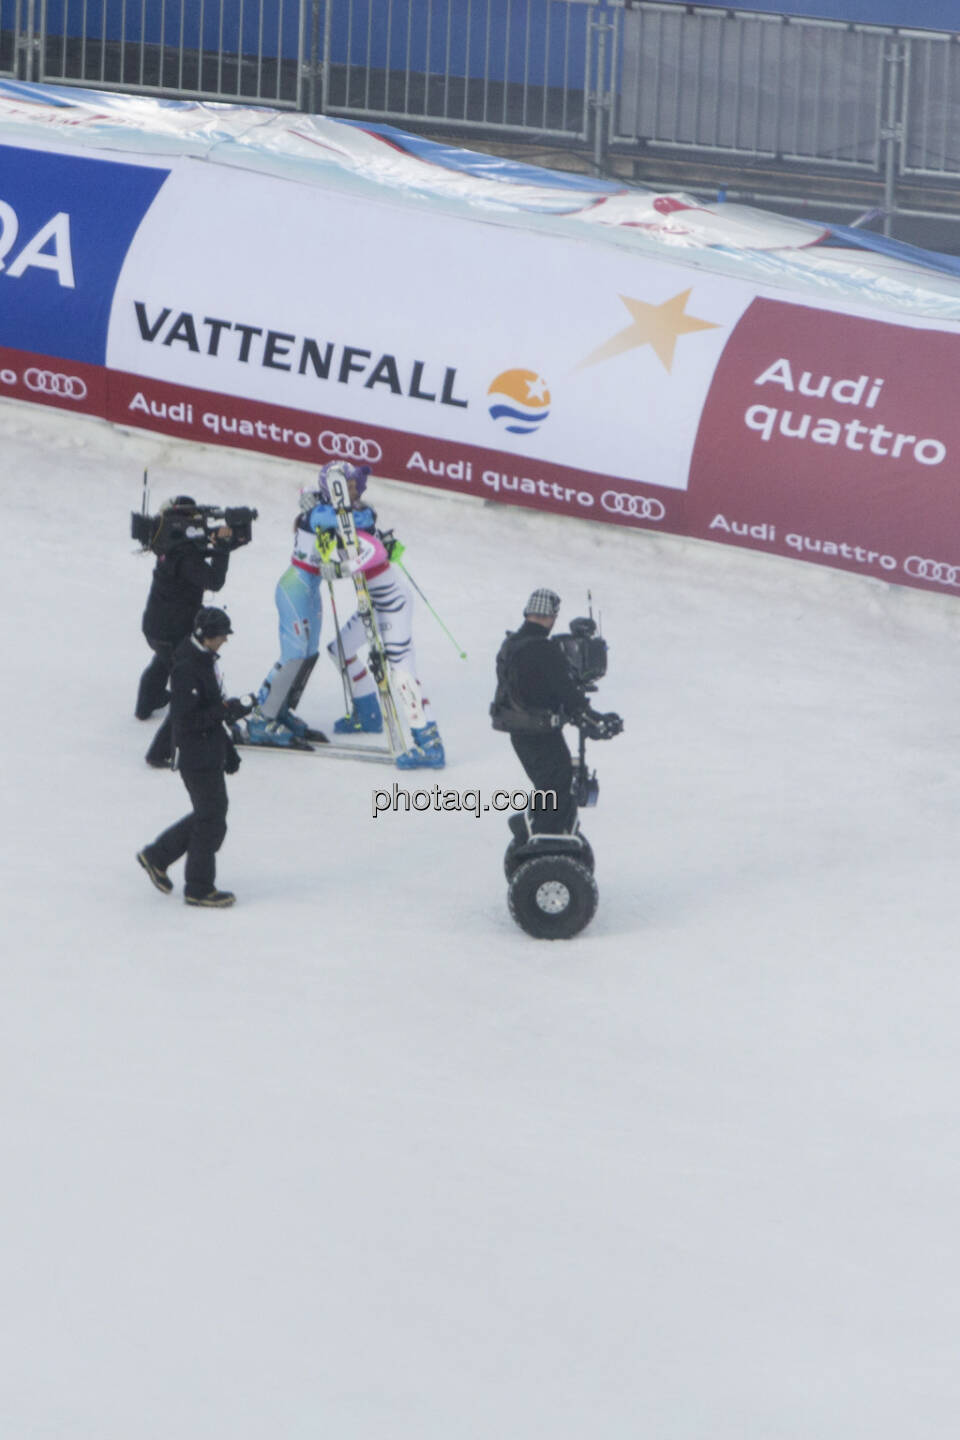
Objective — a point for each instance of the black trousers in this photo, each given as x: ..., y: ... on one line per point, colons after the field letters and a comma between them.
x: 198, y: 835
x: 546, y: 759
x: 152, y: 693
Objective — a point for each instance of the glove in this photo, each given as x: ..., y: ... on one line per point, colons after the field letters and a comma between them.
x: 600, y: 727
x: 232, y: 763
x: 390, y: 543
x: 239, y: 706
x: 328, y: 543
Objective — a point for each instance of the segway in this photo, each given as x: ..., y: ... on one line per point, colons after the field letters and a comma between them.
x: 551, y: 892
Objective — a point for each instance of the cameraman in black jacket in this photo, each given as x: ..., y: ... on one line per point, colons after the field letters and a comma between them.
x: 537, y: 693
x: 204, y: 752
x: 184, y: 570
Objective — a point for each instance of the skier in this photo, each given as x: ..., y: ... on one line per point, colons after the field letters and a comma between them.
x: 300, y: 614
x: 203, y: 753
x: 392, y: 602
x: 537, y: 693
x: 318, y: 556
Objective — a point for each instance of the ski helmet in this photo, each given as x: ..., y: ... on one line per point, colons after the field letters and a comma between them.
x: 357, y: 473
x: 543, y: 602
x: 209, y: 622
x: 179, y: 502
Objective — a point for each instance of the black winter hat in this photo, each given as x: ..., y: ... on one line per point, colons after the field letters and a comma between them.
x: 210, y: 622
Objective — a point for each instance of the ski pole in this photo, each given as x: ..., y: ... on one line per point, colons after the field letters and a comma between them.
x: 462, y: 653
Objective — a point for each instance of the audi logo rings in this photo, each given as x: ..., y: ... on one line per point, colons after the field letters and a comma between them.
x: 638, y: 507
x: 68, y: 387
x: 936, y: 570
x: 350, y: 447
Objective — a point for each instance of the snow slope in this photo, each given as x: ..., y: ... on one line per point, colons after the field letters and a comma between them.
x: 359, y: 1159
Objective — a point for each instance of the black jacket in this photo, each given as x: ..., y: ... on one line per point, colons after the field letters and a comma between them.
x: 197, y: 711
x: 539, y: 676
x: 180, y: 577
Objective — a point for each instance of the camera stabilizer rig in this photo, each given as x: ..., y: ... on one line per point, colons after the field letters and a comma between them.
x: 184, y: 519
x: 552, y: 892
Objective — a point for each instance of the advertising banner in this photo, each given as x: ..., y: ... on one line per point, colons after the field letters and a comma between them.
x: 316, y: 322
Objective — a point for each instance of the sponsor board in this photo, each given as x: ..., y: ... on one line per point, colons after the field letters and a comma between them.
x: 832, y: 438
x: 232, y: 308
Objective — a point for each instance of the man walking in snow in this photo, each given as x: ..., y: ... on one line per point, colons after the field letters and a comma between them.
x: 203, y: 753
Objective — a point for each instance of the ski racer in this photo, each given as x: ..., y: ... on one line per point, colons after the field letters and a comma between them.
x: 318, y: 556
x: 392, y: 602
x: 300, y: 614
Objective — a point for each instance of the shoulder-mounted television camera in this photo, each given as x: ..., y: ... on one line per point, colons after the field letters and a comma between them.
x: 184, y: 520
x: 585, y: 651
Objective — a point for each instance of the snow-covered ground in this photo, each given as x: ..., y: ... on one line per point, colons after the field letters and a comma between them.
x: 357, y: 1159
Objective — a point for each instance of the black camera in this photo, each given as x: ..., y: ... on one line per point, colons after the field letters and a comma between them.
x: 585, y: 651
x: 183, y: 519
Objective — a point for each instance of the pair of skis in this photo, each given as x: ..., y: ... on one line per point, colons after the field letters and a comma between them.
x: 397, y: 690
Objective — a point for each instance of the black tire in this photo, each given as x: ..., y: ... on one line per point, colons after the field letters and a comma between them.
x: 552, y: 897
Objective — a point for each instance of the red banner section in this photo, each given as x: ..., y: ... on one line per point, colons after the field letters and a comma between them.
x: 213, y: 419
x: 804, y: 449
x: 834, y: 439
x: 65, y: 384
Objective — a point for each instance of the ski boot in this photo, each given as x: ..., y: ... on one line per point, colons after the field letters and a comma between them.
x: 261, y: 731
x: 365, y: 718
x: 426, y: 753
x: 300, y: 728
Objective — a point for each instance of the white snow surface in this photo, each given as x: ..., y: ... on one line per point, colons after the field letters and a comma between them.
x: 358, y: 1159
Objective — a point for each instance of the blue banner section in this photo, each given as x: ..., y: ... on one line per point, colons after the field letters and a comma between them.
x: 66, y: 224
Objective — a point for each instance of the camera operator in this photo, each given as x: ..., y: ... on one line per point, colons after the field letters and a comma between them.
x: 537, y: 693
x: 191, y: 562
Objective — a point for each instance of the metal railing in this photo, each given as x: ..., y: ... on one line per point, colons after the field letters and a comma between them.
x: 630, y: 78
x: 931, y: 105
x: 15, y: 36
x: 490, y: 65
x: 750, y: 84
x: 233, y: 50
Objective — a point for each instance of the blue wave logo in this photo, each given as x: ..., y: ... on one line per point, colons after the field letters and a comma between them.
x: 520, y: 401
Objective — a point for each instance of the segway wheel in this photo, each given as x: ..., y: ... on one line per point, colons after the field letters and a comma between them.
x: 552, y: 897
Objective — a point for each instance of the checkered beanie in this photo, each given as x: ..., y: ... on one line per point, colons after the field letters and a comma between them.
x: 542, y: 602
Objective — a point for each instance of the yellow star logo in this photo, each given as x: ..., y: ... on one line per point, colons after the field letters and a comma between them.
x: 657, y: 325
